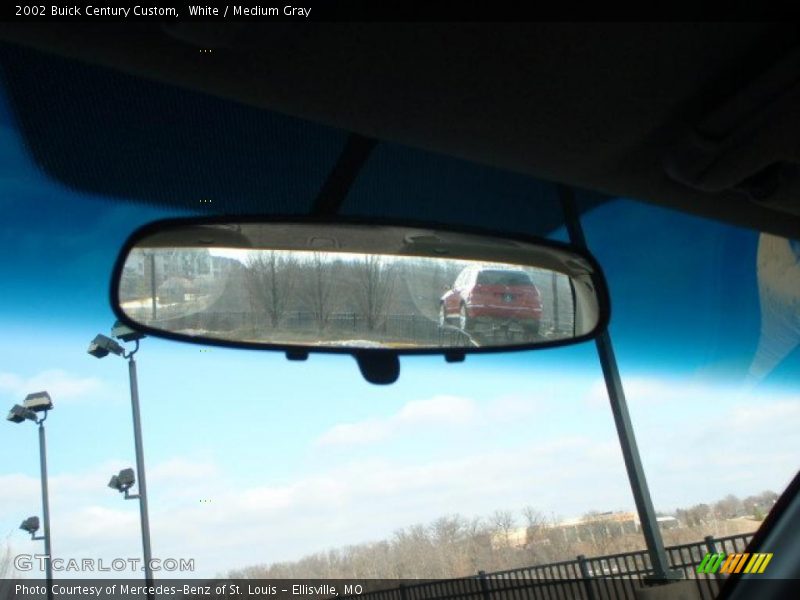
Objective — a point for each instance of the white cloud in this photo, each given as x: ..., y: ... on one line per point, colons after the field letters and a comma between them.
x: 361, y: 500
x: 18, y: 490
x: 752, y: 415
x: 435, y: 411
x: 367, y: 498
x: 641, y: 391
x: 670, y: 395
x: 747, y: 445
x: 696, y: 436
x: 60, y: 384
x: 182, y: 469
x: 362, y: 432
x: 440, y: 411
x: 511, y: 408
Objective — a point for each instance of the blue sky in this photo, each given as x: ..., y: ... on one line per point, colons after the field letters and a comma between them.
x: 298, y: 457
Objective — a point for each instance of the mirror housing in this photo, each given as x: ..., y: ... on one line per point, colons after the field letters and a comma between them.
x: 363, y: 288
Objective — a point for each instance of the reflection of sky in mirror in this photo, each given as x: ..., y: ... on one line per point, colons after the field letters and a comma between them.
x: 299, y: 457
x: 234, y: 253
x: 245, y: 256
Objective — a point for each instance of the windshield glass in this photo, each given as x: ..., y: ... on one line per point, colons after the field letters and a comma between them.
x: 261, y: 466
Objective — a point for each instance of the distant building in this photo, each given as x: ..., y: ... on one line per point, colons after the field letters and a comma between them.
x: 516, y: 538
x: 595, y: 526
x: 189, y: 263
x: 177, y: 272
x: 667, y: 522
x: 582, y: 529
x: 598, y: 525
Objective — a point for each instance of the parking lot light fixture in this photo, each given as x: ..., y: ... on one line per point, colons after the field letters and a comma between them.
x: 125, y: 333
x: 123, y: 482
x: 102, y: 345
x: 38, y: 402
x: 35, y: 408
x: 31, y: 525
x: 19, y: 414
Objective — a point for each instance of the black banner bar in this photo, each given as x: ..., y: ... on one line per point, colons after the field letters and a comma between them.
x: 306, y: 11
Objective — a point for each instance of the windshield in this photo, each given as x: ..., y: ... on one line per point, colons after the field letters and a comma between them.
x: 261, y: 466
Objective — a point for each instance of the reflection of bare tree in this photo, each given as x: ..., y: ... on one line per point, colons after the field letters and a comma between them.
x: 270, y: 278
x: 375, y: 284
x: 319, y: 285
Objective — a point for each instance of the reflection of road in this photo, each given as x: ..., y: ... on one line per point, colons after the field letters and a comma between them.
x: 142, y: 310
x: 352, y: 344
x: 233, y: 298
x: 229, y: 296
x: 147, y: 303
x: 473, y: 340
x: 418, y: 297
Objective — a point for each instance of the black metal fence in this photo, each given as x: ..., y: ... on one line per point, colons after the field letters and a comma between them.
x: 611, y: 577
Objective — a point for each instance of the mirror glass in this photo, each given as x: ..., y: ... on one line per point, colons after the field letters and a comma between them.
x: 355, y: 286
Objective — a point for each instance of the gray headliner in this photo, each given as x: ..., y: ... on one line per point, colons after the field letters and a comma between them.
x: 596, y: 106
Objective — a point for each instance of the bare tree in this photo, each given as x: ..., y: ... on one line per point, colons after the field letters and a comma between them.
x: 700, y: 514
x: 448, y: 535
x: 319, y: 285
x: 504, y: 522
x: 536, y: 540
x: 729, y: 507
x: 535, y: 521
x: 454, y: 546
x: 768, y: 497
x: 594, y: 528
x: 7, y: 570
x: 375, y: 284
x: 413, y: 550
x: 270, y: 278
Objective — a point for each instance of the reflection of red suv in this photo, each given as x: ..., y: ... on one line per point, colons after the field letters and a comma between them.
x: 487, y: 297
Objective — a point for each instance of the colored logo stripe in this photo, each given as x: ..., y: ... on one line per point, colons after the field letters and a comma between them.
x: 711, y: 562
x: 734, y: 563
x: 758, y: 563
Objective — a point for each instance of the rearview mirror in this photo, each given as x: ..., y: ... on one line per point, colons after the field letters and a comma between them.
x: 351, y: 287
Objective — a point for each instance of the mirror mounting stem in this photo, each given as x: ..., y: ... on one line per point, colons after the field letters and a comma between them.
x: 379, y: 367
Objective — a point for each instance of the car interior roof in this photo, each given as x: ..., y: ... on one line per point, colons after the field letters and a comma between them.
x: 611, y: 108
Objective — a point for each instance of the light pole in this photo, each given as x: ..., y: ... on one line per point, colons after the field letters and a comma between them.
x: 34, y: 404
x: 662, y: 572
x: 100, y: 347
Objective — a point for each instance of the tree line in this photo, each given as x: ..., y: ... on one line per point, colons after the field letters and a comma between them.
x: 458, y: 546
x: 278, y: 282
x: 323, y: 284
